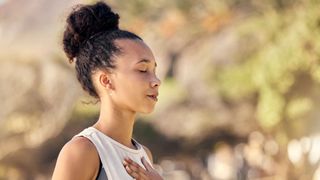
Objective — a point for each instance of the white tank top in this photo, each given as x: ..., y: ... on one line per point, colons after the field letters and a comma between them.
x: 112, y: 153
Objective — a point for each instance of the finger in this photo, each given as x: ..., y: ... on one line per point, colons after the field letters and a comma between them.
x: 143, y: 175
x: 138, y: 169
x: 133, y: 165
x: 128, y: 160
x: 146, y: 164
x: 132, y: 173
x: 139, y: 175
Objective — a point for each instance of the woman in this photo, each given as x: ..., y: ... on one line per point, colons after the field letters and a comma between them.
x: 118, y: 68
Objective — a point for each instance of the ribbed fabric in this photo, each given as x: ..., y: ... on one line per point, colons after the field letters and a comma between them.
x: 112, y: 153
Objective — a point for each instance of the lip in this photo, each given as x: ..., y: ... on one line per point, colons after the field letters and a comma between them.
x: 153, y: 96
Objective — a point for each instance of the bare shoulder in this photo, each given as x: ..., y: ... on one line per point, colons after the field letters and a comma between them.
x: 148, y: 153
x: 78, y: 159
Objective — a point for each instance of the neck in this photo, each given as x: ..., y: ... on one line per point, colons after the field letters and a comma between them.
x: 116, y: 123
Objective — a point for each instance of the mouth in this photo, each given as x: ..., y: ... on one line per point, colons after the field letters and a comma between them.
x: 154, y: 97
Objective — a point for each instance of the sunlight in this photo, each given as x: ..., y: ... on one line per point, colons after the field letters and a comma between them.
x: 2, y: 2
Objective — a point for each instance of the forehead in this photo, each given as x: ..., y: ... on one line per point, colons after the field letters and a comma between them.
x: 133, y: 51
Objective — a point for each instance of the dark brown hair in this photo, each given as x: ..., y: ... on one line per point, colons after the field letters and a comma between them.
x: 89, y: 41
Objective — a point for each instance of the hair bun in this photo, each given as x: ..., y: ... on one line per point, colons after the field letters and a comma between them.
x: 86, y: 21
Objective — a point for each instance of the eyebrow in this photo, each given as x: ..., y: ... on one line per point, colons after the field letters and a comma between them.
x: 146, y: 61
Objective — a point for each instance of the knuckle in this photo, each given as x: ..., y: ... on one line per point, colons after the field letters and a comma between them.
x: 128, y: 169
x: 134, y: 168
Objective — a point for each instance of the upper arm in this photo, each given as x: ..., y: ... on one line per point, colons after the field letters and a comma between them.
x: 148, y: 153
x: 78, y: 159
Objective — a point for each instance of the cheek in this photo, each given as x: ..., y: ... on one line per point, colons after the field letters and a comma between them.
x: 131, y: 86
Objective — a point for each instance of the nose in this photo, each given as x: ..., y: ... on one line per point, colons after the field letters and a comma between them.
x: 155, y: 82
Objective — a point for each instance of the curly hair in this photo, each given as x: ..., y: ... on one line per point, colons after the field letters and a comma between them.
x: 89, y: 38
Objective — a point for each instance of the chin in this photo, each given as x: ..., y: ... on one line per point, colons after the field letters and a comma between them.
x: 147, y: 110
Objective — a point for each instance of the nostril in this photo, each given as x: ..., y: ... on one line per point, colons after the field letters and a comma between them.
x: 155, y: 84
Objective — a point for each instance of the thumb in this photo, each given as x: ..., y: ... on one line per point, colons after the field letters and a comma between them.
x: 146, y: 164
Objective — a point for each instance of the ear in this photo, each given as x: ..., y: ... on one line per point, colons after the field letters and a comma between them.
x: 105, y: 81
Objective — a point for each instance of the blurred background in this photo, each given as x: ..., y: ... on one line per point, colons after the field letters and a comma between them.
x: 239, y: 98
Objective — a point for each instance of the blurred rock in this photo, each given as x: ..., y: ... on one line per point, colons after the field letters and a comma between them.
x: 38, y: 98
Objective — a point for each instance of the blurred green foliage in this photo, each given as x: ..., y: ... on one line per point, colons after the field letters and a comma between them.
x: 280, y: 72
x: 283, y: 69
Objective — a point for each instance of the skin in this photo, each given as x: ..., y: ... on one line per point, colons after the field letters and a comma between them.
x: 135, y: 70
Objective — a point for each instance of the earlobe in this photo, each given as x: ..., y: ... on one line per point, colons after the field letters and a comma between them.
x: 109, y: 87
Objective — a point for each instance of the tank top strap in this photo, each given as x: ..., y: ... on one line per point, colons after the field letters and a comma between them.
x: 90, y: 134
x: 112, y: 153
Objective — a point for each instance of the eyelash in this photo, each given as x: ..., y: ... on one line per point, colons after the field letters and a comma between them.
x: 145, y: 71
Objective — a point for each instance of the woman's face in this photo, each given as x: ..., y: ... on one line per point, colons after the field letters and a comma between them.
x: 134, y: 80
